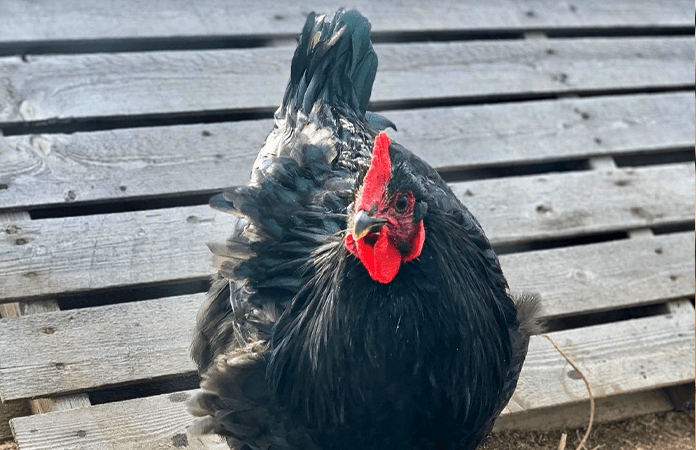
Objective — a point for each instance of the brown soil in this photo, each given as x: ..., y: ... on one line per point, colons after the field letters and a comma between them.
x: 666, y: 431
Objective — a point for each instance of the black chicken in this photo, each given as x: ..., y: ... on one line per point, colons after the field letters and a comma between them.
x: 358, y: 303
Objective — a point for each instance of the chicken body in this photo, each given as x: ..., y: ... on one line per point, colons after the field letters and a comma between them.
x: 358, y: 303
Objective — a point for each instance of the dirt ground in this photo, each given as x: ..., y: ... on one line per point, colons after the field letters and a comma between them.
x: 666, y: 431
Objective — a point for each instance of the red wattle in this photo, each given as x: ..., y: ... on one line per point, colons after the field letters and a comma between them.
x: 381, y: 261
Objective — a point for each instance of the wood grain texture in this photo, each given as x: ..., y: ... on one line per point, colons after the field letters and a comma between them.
x: 120, y: 84
x: 618, y: 358
x: 576, y: 415
x: 76, y: 254
x: 119, y: 19
x: 8, y: 410
x: 608, y: 275
x: 59, y: 403
x: 150, y: 423
x: 96, y: 347
x: 577, y: 203
x: 149, y: 162
x: 92, y: 252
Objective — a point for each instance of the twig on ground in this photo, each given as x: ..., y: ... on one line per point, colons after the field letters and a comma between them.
x: 562, y: 444
x: 589, y: 391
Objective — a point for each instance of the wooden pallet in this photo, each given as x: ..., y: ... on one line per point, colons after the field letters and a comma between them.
x: 568, y: 130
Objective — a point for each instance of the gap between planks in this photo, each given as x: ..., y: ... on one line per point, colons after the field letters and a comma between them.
x: 40, y: 405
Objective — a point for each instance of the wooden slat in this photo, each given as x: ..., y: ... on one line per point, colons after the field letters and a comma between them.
x: 75, y: 254
x: 150, y: 423
x: 604, y: 276
x: 145, y: 162
x: 530, y: 132
x: 576, y: 415
x: 74, y: 350
x: 548, y: 206
x: 118, y: 19
x: 98, y: 85
x: 617, y: 358
x: 9, y: 410
x: 12, y: 409
x: 96, y: 347
x: 16, y: 408
x: 93, y: 252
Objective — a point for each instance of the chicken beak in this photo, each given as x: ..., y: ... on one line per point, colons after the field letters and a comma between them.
x: 364, y: 223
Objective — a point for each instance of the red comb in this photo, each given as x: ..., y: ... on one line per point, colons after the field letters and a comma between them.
x: 378, y: 175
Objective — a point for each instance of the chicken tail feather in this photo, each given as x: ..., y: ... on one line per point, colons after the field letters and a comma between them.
x: 334, y: 64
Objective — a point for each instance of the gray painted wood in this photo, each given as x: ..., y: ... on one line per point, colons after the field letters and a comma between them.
x: 118, y: 19
x: 76, y: 254
x: 95, y: 347
x: 148, y: 162
x: 121, y: 84
x: 617, y: 358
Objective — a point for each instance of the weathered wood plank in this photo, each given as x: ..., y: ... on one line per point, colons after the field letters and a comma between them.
x: 35, y: 405
x: 92, y: 252
x: 74, y: 350
x: 617, y: 358
x: 576, y: 415
x: 97, y: 347
x: 75, y: 254
x: 119, y: 19
x: 150, y: 423
x: 9, y: 410
x: 12, y: 409
x: 537, y: 207
x: 147, y: 162
x: 119, y: 84
x: 604, y: 276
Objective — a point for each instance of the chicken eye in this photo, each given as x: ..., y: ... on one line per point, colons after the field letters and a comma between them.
x: 401, y: 203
